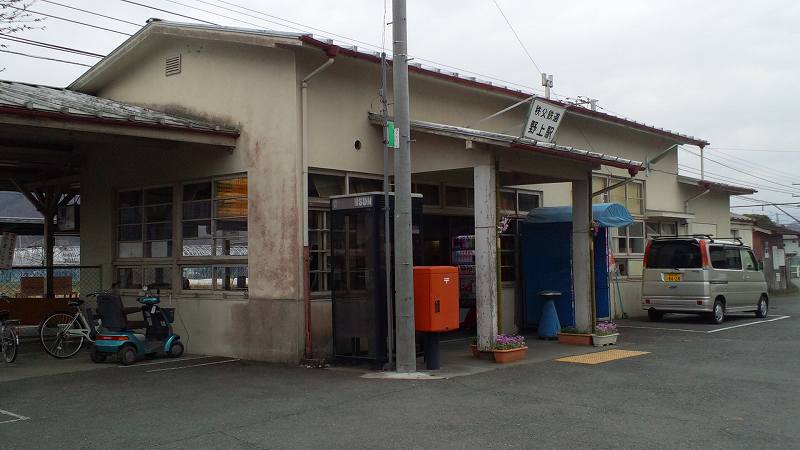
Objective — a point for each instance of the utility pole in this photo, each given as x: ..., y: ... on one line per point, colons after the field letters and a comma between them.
x: 387, y: 235
x: 403, y: 252
x: 702, y: 166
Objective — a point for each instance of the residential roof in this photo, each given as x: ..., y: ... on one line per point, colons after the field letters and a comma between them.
x: 506, y: 140
x: 741, y: 218
x: 715, y: 186
x: 333, y: 49
x: 25, y: 99
x: 764, y: 222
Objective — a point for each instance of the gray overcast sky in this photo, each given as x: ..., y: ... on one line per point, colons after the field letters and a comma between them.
x: 720, y: 70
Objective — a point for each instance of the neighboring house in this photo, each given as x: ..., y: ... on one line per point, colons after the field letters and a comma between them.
x: 774, y: 245
x: 231, y: 226
x: 742, y: 228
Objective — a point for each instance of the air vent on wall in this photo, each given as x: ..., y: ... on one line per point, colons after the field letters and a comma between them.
x: 173, y: 65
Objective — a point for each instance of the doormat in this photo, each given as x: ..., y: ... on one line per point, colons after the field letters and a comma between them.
x: 601, y: 357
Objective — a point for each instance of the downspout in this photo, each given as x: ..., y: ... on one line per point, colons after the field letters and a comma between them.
x: 309, y: 354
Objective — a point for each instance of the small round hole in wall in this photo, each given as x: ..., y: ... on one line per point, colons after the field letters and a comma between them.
x: 357, y: 144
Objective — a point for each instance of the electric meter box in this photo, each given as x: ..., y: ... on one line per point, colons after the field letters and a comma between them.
x: 436, y: 306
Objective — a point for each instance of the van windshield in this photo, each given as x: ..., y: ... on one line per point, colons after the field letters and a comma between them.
x: 674, y: 255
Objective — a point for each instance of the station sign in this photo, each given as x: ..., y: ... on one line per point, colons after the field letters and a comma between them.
x: 543, y: 121
x: 8, y: 242
x: 361, y: 201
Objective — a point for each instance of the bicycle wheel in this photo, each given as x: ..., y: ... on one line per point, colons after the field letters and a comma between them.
x: 57, y: 336
x: 8, y: 344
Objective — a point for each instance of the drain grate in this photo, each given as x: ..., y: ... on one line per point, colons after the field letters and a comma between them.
x: 601, y: 357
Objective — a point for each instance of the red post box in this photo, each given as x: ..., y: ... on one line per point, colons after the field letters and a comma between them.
x: 436, y: 298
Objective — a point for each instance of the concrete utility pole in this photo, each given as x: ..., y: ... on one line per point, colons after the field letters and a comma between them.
x: 403, y: 252
x: 387, y: 235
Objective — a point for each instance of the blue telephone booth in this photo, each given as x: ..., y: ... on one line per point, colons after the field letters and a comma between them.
x: 546, y: 255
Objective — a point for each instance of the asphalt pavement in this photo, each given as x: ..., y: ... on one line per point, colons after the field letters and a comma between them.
x: 697, y: 388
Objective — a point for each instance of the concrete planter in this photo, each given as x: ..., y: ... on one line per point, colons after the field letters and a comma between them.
x: 574, y: 339
x: 602, y: 341
x: 508, y: 356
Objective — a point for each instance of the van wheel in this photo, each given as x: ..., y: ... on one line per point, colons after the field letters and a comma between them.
x: 654, y: 316
x: 717, y: 315
x: 763, y: 307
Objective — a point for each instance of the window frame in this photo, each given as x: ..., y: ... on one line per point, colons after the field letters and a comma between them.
x: 117, y: 224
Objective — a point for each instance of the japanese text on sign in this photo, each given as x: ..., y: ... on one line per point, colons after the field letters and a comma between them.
x: 543, y: 121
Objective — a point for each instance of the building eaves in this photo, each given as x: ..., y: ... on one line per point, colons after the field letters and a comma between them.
x: 715, y: 186
x: 506, y: 140
x: 22, y: 99
x: 332, y: 48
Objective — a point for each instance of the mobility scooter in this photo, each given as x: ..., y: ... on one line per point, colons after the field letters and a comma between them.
x: 120, y: 336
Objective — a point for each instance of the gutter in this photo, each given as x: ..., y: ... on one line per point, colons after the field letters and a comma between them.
x: 309, y: 354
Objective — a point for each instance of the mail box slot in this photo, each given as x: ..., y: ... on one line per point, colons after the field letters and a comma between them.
x: 436, y: 298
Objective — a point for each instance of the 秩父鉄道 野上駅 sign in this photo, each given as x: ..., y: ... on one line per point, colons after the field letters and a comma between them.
x: 543, y: 120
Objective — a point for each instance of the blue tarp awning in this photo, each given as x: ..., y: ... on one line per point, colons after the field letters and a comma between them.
x: 608, y: 215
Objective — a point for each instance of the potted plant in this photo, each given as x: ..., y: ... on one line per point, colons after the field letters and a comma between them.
x: 605, y: 334
x: 473, y: 346
x: 509, y: 348
x: 574, y: 336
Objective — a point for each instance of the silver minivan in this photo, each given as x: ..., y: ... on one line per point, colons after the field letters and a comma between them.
x: 702, y: 275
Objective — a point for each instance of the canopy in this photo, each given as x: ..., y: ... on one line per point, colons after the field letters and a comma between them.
x: 608, y: 215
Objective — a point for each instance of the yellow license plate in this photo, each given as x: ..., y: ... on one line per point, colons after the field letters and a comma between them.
x: 673, y: 277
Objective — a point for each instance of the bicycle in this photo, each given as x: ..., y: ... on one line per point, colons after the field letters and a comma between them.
x: 9, y: 337
x: 62, y: 333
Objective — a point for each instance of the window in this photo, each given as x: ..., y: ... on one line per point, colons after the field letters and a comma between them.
x: 628, y: 246
x: 215, y: 218
x: 325, y: 186
x: 430, y: 193
x: 508, y: 201
x: 724, y: 257
x: 631, y: 194
x: 215, y: 278
x: 661, y: 229
x: 508, y: 252
x: 749, y: 260
x: 674, y: 255
x: 527, y: 202
x: 359, y: 185
x: 129, y: 278
x: 319, y: 250
x: 144, y: 227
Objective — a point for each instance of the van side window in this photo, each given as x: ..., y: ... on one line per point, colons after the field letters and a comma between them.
x: 749, y: 260
x: 723, y: 257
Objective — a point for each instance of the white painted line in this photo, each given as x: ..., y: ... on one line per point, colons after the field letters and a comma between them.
x: 748, y: 324
x: 456, y: 340
x: 165, y: 361
x: 193, y: 365
x: 663, y: 329
x: 16, y: 417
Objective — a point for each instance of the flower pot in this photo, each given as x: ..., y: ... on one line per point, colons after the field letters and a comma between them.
x: 507, y: 356
x: 602, y: 341
x: 574, y: 339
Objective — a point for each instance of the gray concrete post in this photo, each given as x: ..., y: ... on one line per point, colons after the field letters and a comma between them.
x: 485, y: 254
x: 581, y: 279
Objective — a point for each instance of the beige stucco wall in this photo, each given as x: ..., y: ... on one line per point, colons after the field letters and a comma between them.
x: 710, y: 209
x: 255, y: 90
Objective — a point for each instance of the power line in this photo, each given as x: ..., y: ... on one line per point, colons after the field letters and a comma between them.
x: 91, y: 12
x: 511, y: 27
x: 50, y: 46
x: 723, y: 179
x: 743, y: 149
x: 70, y: 20
x: 45, y: 57
x: 170, y: 12
x: 737, y: 170
x: 760, y: 167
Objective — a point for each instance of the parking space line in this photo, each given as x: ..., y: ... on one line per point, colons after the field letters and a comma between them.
x: 166, y: 361
x: 748, y: 324
x: 193, y: 365
x: 16, y: 417
x: 662, y: 329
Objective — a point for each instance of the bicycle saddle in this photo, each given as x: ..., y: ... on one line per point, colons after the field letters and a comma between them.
x: 76, y: 302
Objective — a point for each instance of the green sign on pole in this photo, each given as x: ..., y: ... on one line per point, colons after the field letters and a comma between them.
x: 392, y: 135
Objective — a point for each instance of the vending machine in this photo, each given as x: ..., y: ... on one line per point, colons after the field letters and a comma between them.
x: 358, y: 273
